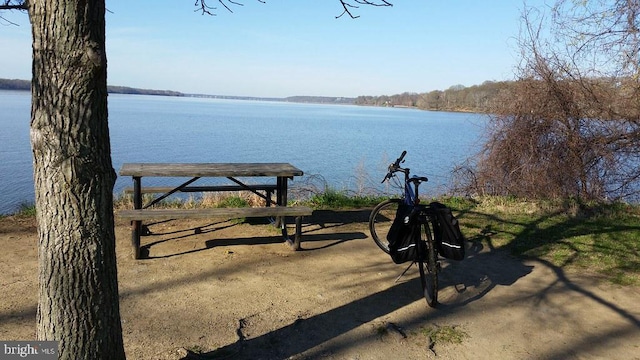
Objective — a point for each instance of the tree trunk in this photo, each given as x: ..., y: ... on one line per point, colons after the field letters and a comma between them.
x: 78, y: 292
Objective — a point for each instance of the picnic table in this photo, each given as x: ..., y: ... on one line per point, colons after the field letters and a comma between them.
x: 235, y: 172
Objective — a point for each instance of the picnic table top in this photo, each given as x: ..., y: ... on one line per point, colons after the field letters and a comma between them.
x: 209, y: 169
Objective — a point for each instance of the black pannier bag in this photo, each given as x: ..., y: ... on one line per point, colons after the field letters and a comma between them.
x: 401, y: 236
x: 449, y: 239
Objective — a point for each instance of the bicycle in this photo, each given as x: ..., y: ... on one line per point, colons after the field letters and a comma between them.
x: 421, y: 216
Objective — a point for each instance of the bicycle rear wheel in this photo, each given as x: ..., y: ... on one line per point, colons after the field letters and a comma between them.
x: 428, y: 266
x: 380, y: 221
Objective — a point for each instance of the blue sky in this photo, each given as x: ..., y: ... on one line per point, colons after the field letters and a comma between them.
x: 285, y: 48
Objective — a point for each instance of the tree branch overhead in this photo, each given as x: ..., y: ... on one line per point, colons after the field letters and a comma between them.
x: 347, y: 5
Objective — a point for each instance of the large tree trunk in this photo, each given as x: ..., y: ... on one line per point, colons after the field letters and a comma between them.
x: 78, y: 293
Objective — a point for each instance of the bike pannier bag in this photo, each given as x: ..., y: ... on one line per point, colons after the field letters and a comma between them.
x: 402, y: 244
x: 449, y: 239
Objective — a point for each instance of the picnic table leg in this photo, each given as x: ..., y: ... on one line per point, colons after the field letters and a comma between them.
x: 268, y: 194
x: 295, y: 243
x: 281, y: 198
x: 298, y: 234
x: 136, y: 225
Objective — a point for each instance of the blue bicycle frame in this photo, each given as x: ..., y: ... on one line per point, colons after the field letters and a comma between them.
x: 411, y: 196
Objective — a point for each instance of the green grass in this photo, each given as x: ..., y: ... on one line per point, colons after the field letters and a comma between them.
x: 444, y: 334
x: 25, y: 210
x: 604, y: 238
x: 334, y: 199
x: 233, y: 201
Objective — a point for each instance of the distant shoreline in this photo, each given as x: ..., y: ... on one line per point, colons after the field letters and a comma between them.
x: 25, y: 85
x: 479, y: 99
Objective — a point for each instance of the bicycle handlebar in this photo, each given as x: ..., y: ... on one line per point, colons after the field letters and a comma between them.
x: 395, y: 166
x: 400, y: 159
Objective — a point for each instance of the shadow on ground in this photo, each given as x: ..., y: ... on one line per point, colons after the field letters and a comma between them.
x: 473, y: 278
x: 325, y: 219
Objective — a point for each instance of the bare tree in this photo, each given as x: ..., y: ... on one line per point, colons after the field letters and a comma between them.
x: 571, y: 127
x: 78, y: 302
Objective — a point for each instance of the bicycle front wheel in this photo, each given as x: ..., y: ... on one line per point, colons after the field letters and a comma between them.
x: 380, y: 221
x: 428, y: 266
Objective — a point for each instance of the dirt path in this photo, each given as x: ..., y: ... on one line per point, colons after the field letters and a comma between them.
x: 235, y: 291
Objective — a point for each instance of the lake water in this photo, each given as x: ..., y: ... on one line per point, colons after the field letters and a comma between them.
x: 348, y: 146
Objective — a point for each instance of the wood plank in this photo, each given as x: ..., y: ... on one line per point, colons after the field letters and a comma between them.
x: 209, y: 169
x: 163, y: 189
x: 163, y: 214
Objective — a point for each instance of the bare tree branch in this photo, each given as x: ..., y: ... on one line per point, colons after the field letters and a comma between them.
x: 13, y: 5
x: 205, y: 8
x: 347, y: 5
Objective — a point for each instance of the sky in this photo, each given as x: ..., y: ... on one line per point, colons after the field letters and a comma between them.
x: 296, y: 48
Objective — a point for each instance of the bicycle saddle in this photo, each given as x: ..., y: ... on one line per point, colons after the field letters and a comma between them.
x: 418, y: 179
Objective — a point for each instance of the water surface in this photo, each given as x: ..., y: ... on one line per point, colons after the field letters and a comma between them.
x: 349, y: 146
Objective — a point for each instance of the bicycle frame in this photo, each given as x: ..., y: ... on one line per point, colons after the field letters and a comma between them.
x: 410, y: 195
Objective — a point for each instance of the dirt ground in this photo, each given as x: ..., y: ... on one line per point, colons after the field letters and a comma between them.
x: 236, y: 291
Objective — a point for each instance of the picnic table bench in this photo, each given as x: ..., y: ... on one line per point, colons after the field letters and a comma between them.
x: 194, y: 171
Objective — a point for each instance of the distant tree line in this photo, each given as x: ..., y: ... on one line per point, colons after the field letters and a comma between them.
x: 135, y: 91
x: 477, y: 98
x: 319, y: 99
x: 16, y: 84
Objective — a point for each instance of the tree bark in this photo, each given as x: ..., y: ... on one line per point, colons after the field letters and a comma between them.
x: 73, y: 174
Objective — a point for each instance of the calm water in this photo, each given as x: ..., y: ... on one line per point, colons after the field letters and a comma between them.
x: 348, y: 146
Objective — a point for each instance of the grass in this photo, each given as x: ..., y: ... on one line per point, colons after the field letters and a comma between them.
x: 604, y: 238
x: 444, y: 334
x: 25, y: 210
x: 233, y: 201
x: 334, y: 199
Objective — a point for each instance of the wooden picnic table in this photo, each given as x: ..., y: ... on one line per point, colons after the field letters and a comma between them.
x: 282, y: 172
